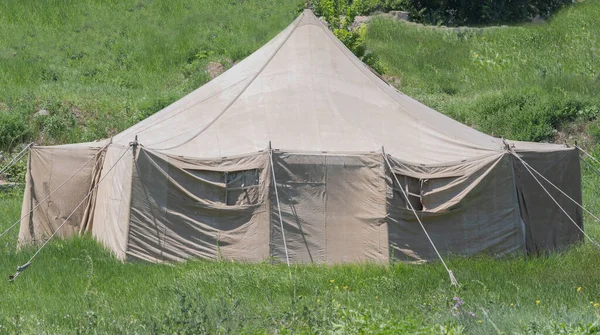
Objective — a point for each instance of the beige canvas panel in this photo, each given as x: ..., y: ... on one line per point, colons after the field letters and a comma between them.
x: 312, y: 97
x: 548, y: 228
x: 356, y: 206
x: 111, y: 214
x: 89, y: 204
x: 485, y: 220
x: 443, y: 170
x: 333, y: 208
x: 521, y: 146
x: 442, y: 186
x: 48, y: 168
x: 173, y: 219
x: 301, y: 185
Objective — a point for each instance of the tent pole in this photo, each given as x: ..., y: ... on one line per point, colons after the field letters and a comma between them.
x: 287, y: 256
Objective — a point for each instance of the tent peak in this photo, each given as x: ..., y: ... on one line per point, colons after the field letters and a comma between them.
x: 308, y: 17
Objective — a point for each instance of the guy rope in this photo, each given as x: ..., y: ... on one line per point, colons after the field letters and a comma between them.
x: 51, y: 193
x: 23, y: 267
x: 453, y: 280
x: 533, y: 173
x: 287, y: 256
x: 589, y: 165
x: 16, y: 158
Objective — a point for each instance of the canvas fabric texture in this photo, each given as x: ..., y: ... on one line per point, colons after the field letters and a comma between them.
x: 304, y: 91
x: 468, y: 208
x: 47, y: 169
x: 195, y: 180
x: 113, y: 200
x: 182, y: 208
x: 333, y: 208
x: 548, y: 228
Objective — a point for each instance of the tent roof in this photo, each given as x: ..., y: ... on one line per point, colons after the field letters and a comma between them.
x: 305, y: 91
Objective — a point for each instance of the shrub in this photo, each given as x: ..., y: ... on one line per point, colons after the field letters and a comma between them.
x: 13, y: 130
x: 57, y: 125
x: 16, y: 173
x: 530, y: 114
x: 340, y: 15
x: 474, y: 12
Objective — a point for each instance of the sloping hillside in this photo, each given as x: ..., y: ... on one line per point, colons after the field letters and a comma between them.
x: 79, y: 71
x: 522, y: 82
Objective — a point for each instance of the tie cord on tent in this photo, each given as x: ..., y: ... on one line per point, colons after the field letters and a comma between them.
x: 23, y: 267
x: 453, y: 280
x: 51, y: 193
x: 589, y: 165
x: 16, y: 158
x: 587, y: 154
x: 287, y: 257
x: 531, y: 171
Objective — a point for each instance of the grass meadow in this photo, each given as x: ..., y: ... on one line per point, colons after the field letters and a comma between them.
x: 75, y: 286
x: 100, y: 66
x: 527, y: 82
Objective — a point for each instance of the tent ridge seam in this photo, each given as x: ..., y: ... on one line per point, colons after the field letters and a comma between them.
x: 243, y: 90
x: 368, y: 73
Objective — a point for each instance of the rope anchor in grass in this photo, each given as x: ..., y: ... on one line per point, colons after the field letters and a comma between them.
x: 19, y: 270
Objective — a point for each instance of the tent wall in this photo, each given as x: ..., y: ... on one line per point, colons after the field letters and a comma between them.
x: 47, y: 169
x: 467, y: 208
x: 548, y: 228
x: 111, y: 214
x: 341, y: 208
x: 333, y: 208
x: 183, y: 208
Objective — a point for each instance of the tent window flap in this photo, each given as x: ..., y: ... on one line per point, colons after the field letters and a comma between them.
x: 232, y: 188
x: 242, y: 187
x: 413, y: 189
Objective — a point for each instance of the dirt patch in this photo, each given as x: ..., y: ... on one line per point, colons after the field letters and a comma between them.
x: 214, y: 69
x: 392, y: 80
x: 110, y: 132
x: 574, y: 132
x: 77, y: 113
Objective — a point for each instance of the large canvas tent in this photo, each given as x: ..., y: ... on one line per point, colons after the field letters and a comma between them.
x: 301, y: 150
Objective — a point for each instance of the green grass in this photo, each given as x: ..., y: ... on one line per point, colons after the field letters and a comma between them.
x: 520, y: 82
x: 99, y: 67
x: 77, y: 286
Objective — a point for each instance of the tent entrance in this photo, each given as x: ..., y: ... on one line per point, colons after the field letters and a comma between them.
x: 333, y: 208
